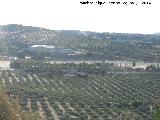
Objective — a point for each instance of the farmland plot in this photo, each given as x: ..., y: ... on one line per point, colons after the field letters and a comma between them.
x: 97, y: 97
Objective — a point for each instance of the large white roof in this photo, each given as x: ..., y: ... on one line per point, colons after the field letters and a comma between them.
x: 45, y: 46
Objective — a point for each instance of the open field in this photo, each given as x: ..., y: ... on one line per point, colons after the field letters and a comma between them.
x: 4, y: 65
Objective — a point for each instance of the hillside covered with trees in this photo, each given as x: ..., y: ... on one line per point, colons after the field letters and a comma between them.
x: 16, y: 39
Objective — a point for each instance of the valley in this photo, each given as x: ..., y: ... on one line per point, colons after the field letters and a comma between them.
x: 80, y: 75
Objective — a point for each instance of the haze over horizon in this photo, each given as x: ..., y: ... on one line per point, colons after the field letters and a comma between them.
x: 71, y: 15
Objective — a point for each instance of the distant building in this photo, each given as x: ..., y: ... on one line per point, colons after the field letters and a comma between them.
x: 72, y: 117
x: 81, y: 74
x: 3, y: 58
x: 13, y: 58
x: 27, y: 57
x: 43, y: 46
x: 49, y: 49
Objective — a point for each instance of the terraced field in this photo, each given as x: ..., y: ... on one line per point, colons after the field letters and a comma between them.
x: 96, y: 97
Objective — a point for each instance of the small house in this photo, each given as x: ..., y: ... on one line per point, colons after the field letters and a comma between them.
x: 81, y: 74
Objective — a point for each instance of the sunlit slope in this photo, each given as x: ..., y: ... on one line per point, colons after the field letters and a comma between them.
x: 15, y: 38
